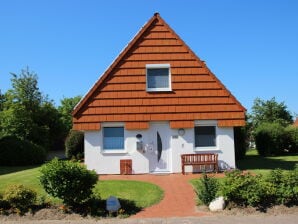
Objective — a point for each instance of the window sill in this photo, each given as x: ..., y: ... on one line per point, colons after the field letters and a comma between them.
x: 114, y: 151
x: 159, y: 90
x: 202, y: 149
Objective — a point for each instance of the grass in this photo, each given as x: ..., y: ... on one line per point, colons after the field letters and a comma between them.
x: 27, y: 176
x: 13, y: 169
x: 263, y: 165
x: 141, y: 193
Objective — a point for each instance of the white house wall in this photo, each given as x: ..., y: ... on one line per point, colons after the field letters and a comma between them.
x: 109, y: 163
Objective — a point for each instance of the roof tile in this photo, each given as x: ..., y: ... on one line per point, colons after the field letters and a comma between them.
x: 120, y: 94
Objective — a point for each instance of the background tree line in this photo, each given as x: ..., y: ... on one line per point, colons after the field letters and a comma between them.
x: 30, y: 117
x: 269, y: 128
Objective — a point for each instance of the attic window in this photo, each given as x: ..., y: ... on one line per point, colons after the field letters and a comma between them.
x: 158, y: 77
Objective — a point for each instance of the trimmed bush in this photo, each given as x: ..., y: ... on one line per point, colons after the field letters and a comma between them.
x: 16, y: 152
x: 74, y: 145
x: 245, y: 189
x: 4, y: 205
x: 270, y: 139
x: 292, y: 138
x: 286, y: 186
x: 206, y: 189
x: 67, y: 180
x: 20, y: 197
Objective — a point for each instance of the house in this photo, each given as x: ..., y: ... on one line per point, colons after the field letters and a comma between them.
x: 156, y: 101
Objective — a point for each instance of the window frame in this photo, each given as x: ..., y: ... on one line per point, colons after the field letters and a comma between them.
x: 116, y: 125
x: 207, y: 123
x: 159, y: 66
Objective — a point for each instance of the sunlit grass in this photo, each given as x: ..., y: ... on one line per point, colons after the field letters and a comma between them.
x: 143, y: 194
x: 263, y: 165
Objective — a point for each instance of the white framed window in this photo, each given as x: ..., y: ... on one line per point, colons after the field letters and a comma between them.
x: 205, y: 136
x: 158, y: 77
x: 113, y: 138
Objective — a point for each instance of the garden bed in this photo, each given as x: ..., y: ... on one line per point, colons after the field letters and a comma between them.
x: 243, y: 211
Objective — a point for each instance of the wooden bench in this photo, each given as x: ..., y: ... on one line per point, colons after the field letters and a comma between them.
x: 199, y: 159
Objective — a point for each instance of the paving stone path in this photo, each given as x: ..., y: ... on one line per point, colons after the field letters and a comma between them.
x: 179, y: 196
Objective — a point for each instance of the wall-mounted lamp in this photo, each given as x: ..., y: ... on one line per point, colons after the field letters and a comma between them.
x: 181, y: 131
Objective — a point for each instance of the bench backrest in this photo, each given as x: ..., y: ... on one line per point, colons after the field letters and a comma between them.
x: 195, y: 158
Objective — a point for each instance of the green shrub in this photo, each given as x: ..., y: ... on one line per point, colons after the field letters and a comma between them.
x: 74, y: 145
x: 67, y: 180
x: 279, y: 187
x: 270, y: 139
x: 16, y: 152
x: 19, y: 196
x: 206, y: 189
x: 3, y: 204
x: 245, y: 189
x: 292, y: 138
x: 286, y: 186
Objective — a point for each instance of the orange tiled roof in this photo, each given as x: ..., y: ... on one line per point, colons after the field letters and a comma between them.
x: 120, y: 94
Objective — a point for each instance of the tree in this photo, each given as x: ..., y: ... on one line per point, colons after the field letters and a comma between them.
x: 65, y: 109
x: 2, y: 99
x: 74, y: 145
x: 270, y: 139
x: 20, y: 105
x: 25, y: 90
x: 270, y: 111
x: 28, y: 115
x: 50, y: 118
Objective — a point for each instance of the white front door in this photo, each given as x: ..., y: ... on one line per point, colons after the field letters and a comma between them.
x: 159, y: 156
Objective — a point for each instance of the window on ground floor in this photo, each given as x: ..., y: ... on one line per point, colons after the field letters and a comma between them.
x: 113, y: 138
x: 205, y: 136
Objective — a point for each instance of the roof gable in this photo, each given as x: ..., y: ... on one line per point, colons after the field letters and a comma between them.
x: 120, y: 94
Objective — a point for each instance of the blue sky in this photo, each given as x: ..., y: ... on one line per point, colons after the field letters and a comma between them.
x: 250, y: 45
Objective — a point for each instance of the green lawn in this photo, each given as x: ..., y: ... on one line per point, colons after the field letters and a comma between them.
x: 20, y: 175
x: 141, y: 193
x: 263, y: 165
